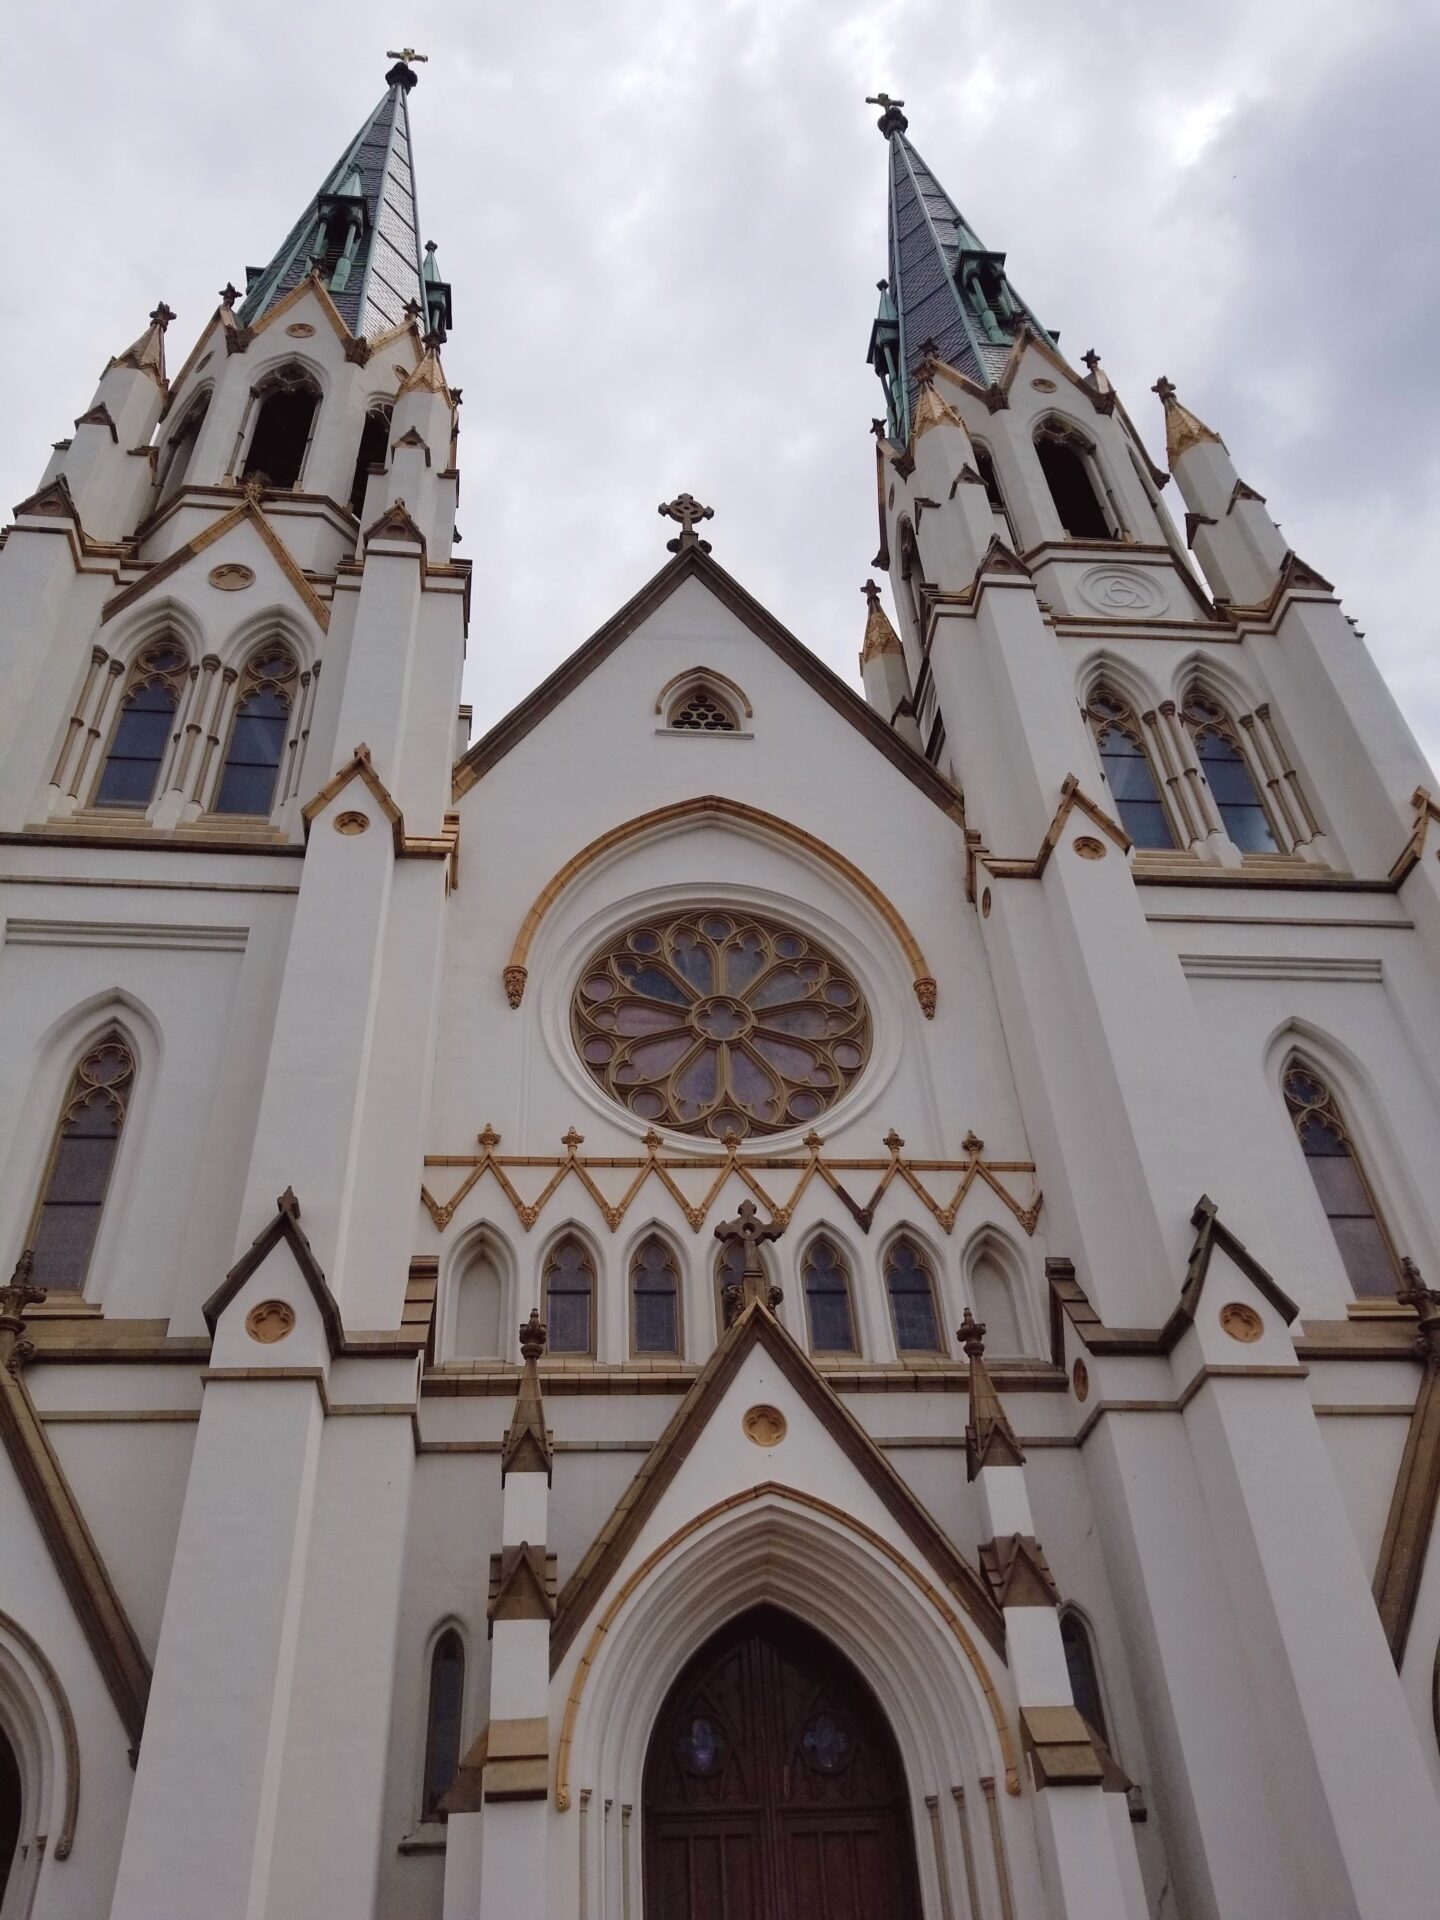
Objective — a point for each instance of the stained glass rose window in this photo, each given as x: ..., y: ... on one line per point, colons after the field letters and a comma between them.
x: 720, y: 1023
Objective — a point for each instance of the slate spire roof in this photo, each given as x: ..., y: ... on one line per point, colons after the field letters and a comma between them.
x: 943, y: 287
x: 361, y: 229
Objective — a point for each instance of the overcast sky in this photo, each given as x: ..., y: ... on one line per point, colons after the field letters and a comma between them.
x: 663, y: 221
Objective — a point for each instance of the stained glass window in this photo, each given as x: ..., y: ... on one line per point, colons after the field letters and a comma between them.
x: 143, y: 730
x: 569, y: 1307
x: 257, y: 735
x: 1217, y: 747
x: 1128, y: 773
x: 911, y: 1287
x: 443, y: 1720
x: 1341, y: 1184
x: 701, y: 711
x: 827, y: 1298
x: 73, y: 1195
x: 720, y: 1023
x: 1084, y: 1681
x: 655, y: 1297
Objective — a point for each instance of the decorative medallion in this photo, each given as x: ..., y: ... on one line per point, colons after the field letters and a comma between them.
x: 300, y: 330
x: 1122, y: 590
x: 1080, y: 1380
x: 766, y: 1426
x: 985, y: 904
x: 1088, y: 847
x: 1043, y: 385
x: 231, y: 577
x: 351, y: 822
x: 1242, y: 1323
x: 720, y: 1023
x: 270, y: 1321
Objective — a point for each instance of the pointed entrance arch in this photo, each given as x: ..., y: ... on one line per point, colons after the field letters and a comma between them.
x: 774, y: 1786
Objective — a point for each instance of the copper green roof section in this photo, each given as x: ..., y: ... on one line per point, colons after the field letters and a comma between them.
x: 946, y: 294
x: 361, y: 230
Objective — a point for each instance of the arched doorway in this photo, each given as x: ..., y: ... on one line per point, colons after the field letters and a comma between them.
x: 11, y: 1807
x: 774, y: 1788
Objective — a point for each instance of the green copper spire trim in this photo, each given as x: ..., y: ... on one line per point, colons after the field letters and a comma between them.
x: 946, y: 294
x: 360, y: 232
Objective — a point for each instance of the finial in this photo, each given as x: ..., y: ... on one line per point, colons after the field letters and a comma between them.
x: 687, y: 510
x: 746, y: 1232
x: 872, y: 595
x: 161, y: 316
x: 229, y: 294
x: 972, y: 1336
x: 880, y: 636
x: 403, y: 73
x: 989, y: 1437
x: 532, y: 1336
x: 527, y: 1447
x: 1183, y: 429
x: 1165, y: 388
x: 891, y: 120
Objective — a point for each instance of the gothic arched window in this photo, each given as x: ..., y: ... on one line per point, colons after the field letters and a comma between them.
x: 1067, y: 461
x: 181, y: 448
x: 1084, y: 1676
x: 478, y: 1296
x: 568, y: 1307
x: 1128, y: 772
x: 444, y: 1717
x: 12, y: 1806
x: 286, y: 403
x: 373, y: 451
x: 912, y: 580
x: 654, y: 1298
x: 994, y: 1299
x: 72, y: 1193
x: 1223, y: 761
x: 701, y: 709
x: 985, y: 467
x: 1340, y: 1181
x: 143, y: 728
x: 825, y: 1278
x: 910, y: 1284
x: 257, y: 733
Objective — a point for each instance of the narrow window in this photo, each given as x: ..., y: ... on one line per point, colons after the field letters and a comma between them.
x: 284, y: 421
x: 444, y: 1714
x: 72, y: 1194
x: 655, y: 1298
x: 1066, y: 466
x: 702, y: 711
x: 477, y: 1310
x: 1217, y: 747
x: 142, y: 732
x: 911, y: 1287
x: 181, y: 449
x: 985, y: 467
x: 570, y: 1297
x: 1128, y: 772
x: 912, y: 579
x: 826, y: 1282
x: 995, y: 1305
x: 1341, y: 1184
x: 257, y: 734
x: 1084, y: 1680
x: 373, y: 452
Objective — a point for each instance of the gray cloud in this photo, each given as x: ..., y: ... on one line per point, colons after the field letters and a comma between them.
x: 663, y: 226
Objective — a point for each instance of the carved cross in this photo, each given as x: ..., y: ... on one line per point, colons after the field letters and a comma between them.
x: 407, y: 54
x: 883, y: 101
x: 1165, y: 388
x: 872, y: 595
x: 747, y: 1231
x: 162, y: 316
x: 687, y: 510
x: 229, y: 294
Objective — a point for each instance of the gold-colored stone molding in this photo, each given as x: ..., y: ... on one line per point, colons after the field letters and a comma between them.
x: 248, y: 509
x: 660, y: 1166
x: 1413, y: 852
x: 1072, y: 799
x: 717, y: 806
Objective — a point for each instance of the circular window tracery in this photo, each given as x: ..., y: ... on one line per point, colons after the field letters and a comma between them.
x: 720, y: 1023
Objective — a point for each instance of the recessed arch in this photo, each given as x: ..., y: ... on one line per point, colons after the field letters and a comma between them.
x: 912, y: 1277
x: 711, y: 807
x: 680, y: 683
x: 482, y: 1264
x: 994, y: 1275
x: 1106, y: 669
x: 36, y: 1715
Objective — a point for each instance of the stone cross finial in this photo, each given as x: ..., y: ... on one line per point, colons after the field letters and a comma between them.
x: 872, y: 595
x: 972, y: 1336
x: 162, y: 316
x: 747, y: 1232
x: 1165, y: 388
x: 18, y: 1294
x: 229, y: 294
x: 1091, y: 359
x: 687, y: 510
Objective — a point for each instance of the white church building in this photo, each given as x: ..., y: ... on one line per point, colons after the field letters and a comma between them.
x: 733, y: 1301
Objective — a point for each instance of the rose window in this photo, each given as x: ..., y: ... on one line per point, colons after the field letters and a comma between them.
x: 720, y: 1023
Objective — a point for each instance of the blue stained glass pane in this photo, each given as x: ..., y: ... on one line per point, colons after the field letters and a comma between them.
x: 701, y: 1747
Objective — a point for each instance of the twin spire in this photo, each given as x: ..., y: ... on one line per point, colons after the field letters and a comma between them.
x: 361, y: 232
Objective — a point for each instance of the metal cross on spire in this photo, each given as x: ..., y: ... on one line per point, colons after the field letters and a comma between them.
x: 891, y: 120
x: 403, y: 74
x: 687, y: 510
x: 407, y: 54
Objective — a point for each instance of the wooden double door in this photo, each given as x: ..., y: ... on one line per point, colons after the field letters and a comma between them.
x: 773, y: 1788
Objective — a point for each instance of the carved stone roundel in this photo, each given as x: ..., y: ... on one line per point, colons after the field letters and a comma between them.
x: 721, y: 1023
x: 765, y: 1425
x: 232, y: 577
x: 270, y: 1321
x: 1123, y: 590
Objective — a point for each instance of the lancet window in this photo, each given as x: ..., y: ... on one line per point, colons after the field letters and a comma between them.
x: 702, y: 710
x: 1067, y: 460
x: 995, y: 1305
x: 144, y: 727
x: 1128, y: 772
x: 825, y: 1278
x: 569, y: 1297
x: 1341, y: 1182
x: 1084, y: 1675
x: 478, y: 1297
x: 373, y: 451
x: 82, y: 1158
x: 910, y: 1283
x: 257, y: 732
x: 444, y: 1718
x: 285, y: 406
x: 985, y: 467
x: 1227, y: 770
x: 654, y: 1298
x: 180, y: 450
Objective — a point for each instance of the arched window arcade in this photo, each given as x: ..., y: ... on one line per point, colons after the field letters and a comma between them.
x: 1129, y: 774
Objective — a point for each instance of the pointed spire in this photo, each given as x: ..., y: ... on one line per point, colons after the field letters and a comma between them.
x: 360, y: 232
x: 989, y: 1437
x: 147, y: 354
x: 943, y: 286
x: 528, y: 1446
x: 880, y: 636
x: 1183, y: 429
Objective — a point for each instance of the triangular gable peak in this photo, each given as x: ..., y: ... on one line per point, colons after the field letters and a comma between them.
x: 756, y: 1328
x: 248, y: 510
x: 694, y: 562
x: 285, y: 1226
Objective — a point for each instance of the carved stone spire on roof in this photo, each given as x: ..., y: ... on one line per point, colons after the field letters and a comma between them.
x: 932, y: 409
x: 1183, y: 429
x: 880, y: 636
x: 528, y: 1444
x: 989, y: 1438
x: 147, y: 354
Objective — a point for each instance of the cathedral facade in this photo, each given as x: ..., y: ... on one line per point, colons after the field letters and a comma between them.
x: 789, y: 1307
